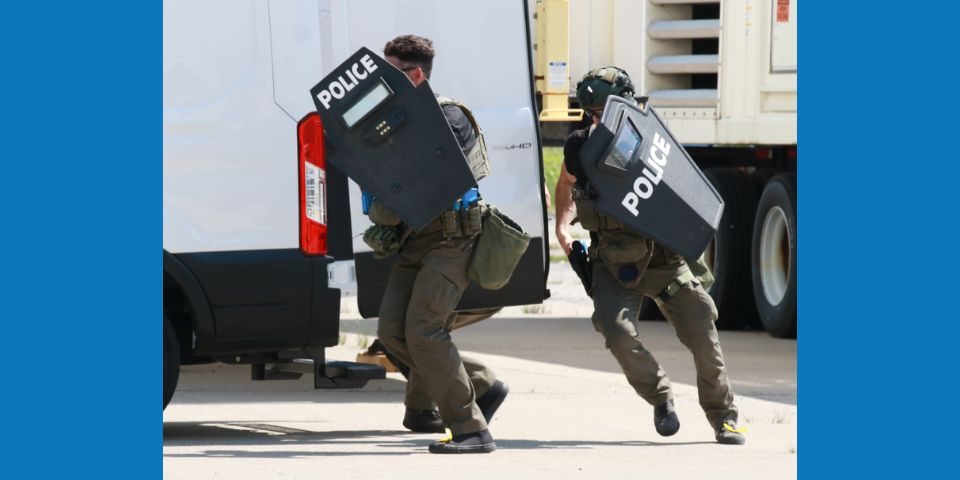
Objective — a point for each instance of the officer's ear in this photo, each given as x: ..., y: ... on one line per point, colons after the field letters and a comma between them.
x: 417, y: 76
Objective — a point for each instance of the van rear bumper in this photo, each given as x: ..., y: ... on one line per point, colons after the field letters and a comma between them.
x: 260, y: 300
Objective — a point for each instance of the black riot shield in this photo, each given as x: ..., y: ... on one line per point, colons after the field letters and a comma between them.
x: 391, y: 138
x: 645, y: 179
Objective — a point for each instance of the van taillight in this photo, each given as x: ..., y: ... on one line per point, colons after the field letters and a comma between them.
x: 313, y: 185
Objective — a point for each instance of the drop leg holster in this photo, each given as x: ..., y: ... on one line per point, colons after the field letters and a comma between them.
x: 675, y: 286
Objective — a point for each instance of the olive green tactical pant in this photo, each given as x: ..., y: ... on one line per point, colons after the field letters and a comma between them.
x: 418, y: 395
x: 416, y: 314
x: 692, y: 313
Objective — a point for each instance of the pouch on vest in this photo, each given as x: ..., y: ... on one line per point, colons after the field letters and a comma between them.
x: 383, y: 215
x: 587, y: 213
x: 477, y: 158
x: 384, y: 240
x: 498, y: 250
x: 701, y: 271
x: 450, y: 224
x: 471, y: 219
x: 625, y: 254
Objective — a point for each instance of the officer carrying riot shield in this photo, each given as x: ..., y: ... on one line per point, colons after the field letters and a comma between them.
x: 634, y: 164
x: 648, y: 209
x: 392, y: 138
x: 418, y: 159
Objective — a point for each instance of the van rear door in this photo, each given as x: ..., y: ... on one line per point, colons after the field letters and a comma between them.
x: 492, y: 74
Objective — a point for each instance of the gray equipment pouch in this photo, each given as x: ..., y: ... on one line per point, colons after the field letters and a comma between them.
x: 498, y: 250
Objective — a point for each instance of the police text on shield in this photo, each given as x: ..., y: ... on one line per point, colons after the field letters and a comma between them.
x: 339, y: 87
x: 643, y: 185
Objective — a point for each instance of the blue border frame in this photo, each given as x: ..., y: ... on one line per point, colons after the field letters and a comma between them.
x: 81, y: 195
x: 81, y: 198
x: 877, y: 202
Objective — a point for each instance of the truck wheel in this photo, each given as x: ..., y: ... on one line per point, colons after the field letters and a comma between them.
x: 729, y: 253
x: 775, y: 256
x: 171, y: 361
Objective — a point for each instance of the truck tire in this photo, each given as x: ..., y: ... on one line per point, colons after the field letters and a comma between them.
x: 729, y: 253
x: 171, y: 361
x: 775, y: 256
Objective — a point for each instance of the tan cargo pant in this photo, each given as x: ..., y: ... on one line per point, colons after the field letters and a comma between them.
x: 692, y: 313
x: 416, y: 314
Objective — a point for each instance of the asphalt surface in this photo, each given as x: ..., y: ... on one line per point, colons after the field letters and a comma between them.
x: 570, y: 414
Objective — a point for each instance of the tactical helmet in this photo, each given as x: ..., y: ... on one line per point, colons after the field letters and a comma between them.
x: 600, y: 83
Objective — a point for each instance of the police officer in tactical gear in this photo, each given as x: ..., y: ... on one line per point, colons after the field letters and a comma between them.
x: 426, y: 284
x: 627, y: 266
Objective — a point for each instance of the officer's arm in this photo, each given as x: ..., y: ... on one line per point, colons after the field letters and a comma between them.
x: 566, y: 209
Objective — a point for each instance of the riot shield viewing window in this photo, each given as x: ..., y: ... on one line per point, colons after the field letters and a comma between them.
x: 623, y: 153
x: 366, y: 104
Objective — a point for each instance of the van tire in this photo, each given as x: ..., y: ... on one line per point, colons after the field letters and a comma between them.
x: 171, y: 361
x: 774, y: 256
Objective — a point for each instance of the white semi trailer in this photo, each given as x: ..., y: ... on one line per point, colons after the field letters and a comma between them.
x: 723, y: 73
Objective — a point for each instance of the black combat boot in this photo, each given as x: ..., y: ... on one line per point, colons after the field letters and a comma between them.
x: 476, y: 442
x: 491, y: 400
x: 423, y: 421
x: 729, y: 434
x: 665, y: 418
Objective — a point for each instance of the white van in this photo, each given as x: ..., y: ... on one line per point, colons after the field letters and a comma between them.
x: 244, y: 281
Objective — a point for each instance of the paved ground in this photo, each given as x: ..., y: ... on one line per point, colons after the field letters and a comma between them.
x: 571, y: 413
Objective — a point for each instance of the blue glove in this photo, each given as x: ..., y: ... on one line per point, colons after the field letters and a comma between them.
x: 366, y: 200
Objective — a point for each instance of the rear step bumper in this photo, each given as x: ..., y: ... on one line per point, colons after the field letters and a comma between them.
x: 346, y: 375
x: 326, y: 375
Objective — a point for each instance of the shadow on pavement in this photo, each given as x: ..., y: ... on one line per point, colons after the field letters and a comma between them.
x: 239, y: 434
x: 252, y: 434
x: 204, y: 389
x: 582, y: 444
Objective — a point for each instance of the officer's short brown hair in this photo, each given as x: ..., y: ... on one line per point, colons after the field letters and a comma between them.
x: 412, y: 50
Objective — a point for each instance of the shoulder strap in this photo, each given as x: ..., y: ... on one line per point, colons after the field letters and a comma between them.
x: 444, y: 101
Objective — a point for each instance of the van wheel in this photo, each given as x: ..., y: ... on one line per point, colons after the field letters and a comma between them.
x: 728, y: 255
x: 775, y: 256
x: 171, y: 361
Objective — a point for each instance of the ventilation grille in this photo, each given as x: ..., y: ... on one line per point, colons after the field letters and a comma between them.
x: 683, y: 46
